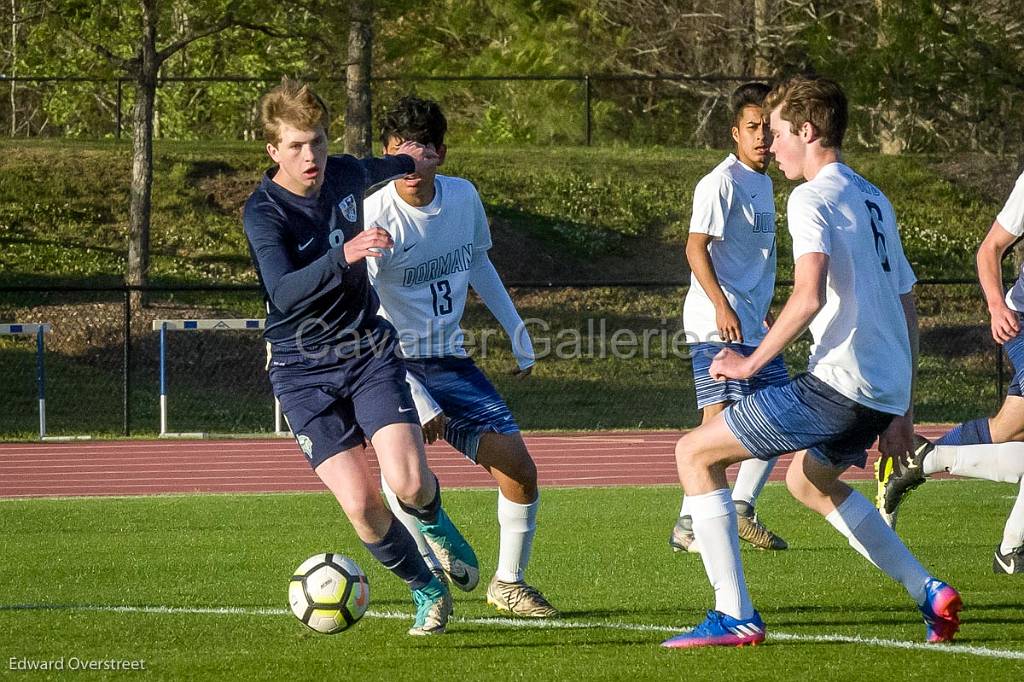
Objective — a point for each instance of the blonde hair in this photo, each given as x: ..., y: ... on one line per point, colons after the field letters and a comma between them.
x: 815, y: 100
x: 292, y: 103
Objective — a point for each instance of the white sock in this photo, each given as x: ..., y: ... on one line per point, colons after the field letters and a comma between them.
x: 750, y: 480
x: 1013, y: 531
x: 685, y: 509
x: 409, y: 521
x: 518, y: 524
x: 714, y: 527
x: 1000, y: 462
x: 860, y: 522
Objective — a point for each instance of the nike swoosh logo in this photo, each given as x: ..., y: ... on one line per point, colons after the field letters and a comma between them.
x: 406, y: 409
x: 303, y: 246
x: 406, y: 249
x: 1008, y: 567
x: 753, y: 196
x: 462, y: 579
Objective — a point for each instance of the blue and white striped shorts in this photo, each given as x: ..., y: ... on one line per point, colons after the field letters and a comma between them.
x: 470, y: 401
x: 806, y: 413
x: 711, y: 392
x: 1015, y: 351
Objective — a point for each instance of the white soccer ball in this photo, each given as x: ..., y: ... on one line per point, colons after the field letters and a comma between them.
x: 329, y: 593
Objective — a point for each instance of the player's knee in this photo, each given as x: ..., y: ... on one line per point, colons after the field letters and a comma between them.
x: 522, y: 468
x: 362, y: 510
x: 525, y: 476
x: 688, y: 456
x: 409, y: 488
x: 798, y: 485
x: 508, y: 454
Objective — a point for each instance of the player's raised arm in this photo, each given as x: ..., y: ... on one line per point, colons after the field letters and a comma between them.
x: 409, y: 158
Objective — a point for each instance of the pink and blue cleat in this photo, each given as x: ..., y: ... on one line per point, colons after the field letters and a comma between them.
x: 719, y: 629
x: 941, y: 610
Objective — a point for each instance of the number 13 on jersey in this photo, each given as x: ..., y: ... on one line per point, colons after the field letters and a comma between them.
x: 441, y: 296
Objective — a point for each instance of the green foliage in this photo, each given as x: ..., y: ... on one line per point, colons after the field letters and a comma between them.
x: 937, y: 75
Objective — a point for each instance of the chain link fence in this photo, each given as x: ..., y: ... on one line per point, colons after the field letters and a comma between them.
x: 610, y: 357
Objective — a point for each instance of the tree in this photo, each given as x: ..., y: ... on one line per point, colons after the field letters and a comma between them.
x: 143, y: 69
x: 358, y: 112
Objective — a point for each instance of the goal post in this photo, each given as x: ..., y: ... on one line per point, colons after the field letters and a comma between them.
x: 38, y: 330
x: 203, y: 325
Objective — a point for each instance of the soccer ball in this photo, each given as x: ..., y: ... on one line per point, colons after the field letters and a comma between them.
x: 329, y: 593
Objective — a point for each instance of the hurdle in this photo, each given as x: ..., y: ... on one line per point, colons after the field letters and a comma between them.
x: 38, y: 329
x: 164, y: 326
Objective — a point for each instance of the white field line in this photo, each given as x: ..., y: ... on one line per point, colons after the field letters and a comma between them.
x: 970, y: 650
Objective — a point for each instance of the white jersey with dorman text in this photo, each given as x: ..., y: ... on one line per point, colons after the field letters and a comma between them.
x: 735, y: 205
x: 423, y: 280
x: 861, y: 346
x: 1012, y: 220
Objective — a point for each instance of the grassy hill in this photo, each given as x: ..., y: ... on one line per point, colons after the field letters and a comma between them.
x: 558, y: 214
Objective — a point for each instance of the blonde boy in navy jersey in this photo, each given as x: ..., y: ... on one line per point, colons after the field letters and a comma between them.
x: 333, y: 362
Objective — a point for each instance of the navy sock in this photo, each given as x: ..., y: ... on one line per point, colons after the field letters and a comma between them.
x: 427, y: 514
x: 969, y: 433
x: 399, y: 554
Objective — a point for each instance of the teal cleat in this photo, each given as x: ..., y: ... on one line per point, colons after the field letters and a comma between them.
x: 433, y: 608
x: 452, y: 551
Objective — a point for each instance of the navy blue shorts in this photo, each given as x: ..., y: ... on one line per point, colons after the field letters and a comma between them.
x: 711, y: 392
x: 334, y: 404
x: 472, y: 404
x: 1015, y: 351
x: 806, y: 413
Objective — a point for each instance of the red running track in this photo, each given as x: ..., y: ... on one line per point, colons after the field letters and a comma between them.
x: 276, y: 465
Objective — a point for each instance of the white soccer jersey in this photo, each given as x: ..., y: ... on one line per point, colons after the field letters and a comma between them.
x: 861, y: 347
x: 1012, y: 220
x: 736, y: 206
x: 423, y: 280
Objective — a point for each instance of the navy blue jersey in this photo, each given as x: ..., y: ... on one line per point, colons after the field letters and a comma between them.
x: 314, y: 298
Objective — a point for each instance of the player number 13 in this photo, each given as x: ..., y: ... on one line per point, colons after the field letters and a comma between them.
x: 441, y: 297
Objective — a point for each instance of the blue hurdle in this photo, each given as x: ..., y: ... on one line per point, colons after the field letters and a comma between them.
x: 164, y: 326
x: 38, y: 329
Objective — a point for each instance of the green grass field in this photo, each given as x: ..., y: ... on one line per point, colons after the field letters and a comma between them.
x: 600, y: 556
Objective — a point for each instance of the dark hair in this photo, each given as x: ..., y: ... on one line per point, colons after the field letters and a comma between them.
x: 815, y: 100
x: 414, y: 119
x: 747, y: 95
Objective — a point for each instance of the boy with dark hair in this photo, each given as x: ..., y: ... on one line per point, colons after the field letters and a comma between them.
x: 333, y: 363
x: 440, y: 242
x: 731, y: 252
x: 853, y: 288
x: 986, y: 448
